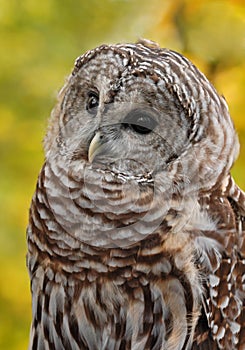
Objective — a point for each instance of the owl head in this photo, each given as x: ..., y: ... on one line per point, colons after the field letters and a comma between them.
x: 139, y: 111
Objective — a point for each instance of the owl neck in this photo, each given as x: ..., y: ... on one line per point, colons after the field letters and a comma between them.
x: 101, y: 219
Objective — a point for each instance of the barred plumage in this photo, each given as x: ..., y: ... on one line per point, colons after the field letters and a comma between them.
x: 136, y: 233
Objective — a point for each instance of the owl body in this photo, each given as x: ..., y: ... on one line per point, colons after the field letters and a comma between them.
x: 136, y: 233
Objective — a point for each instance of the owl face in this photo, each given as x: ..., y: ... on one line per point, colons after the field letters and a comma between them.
x: 114, y: 120
x: 139, y: 112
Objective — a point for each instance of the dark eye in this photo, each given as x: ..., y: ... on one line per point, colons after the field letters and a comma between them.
x: 140, y: 121
x: 92, y: 102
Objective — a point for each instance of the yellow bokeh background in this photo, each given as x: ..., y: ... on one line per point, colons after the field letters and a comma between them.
x: 39, y: 42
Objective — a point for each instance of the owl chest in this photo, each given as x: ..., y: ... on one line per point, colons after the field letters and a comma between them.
x: 140, y: 306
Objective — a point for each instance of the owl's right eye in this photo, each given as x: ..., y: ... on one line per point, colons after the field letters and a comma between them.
x: 140, y: 121
x: 92, y: 102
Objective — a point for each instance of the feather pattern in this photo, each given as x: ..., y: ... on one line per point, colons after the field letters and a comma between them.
x: 136, y: 230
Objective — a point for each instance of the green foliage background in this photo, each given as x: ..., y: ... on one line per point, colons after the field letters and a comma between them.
x: 39, y: 41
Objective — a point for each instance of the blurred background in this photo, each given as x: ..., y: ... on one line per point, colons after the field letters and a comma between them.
x: 39, y: 42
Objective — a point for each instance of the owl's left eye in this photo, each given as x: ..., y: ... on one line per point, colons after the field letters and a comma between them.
x: 92, y: 102
x: 140, y: 121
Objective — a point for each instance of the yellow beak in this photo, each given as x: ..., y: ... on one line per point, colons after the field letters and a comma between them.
x: 94, y: 147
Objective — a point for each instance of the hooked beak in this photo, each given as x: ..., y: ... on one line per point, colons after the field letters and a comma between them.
x: 94, y: 147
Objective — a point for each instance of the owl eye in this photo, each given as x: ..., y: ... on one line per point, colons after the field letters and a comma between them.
x: 140, y: 121
x: 92, y: 102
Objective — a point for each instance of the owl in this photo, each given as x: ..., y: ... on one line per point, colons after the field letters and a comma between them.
x: 136, y: 236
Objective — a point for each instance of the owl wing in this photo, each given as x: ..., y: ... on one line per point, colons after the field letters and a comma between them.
x: 222, y: 323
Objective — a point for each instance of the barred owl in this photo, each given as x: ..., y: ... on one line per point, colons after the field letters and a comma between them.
x: 136, y: 230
